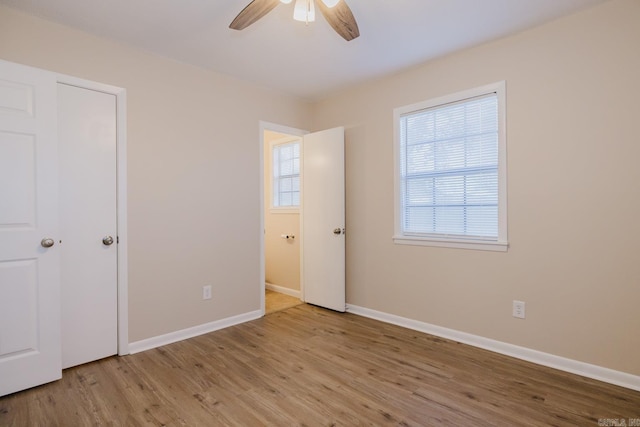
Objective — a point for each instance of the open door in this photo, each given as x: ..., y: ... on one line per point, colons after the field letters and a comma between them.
x: 29, y: 245
x: 323, y: 219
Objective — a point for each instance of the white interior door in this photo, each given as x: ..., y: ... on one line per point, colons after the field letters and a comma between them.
x: 87, y: 158
x: 323, y: 219
x: 29, y: 271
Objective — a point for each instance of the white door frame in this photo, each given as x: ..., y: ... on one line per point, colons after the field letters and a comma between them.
x: 289, y: 131
x: 121, y: 201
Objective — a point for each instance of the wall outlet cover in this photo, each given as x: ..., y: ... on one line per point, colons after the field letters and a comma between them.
x: 518, y: 309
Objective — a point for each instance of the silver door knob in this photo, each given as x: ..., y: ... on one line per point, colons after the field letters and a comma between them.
x: 46, y: 242
x: 107, y: 241
x: 338, y: 231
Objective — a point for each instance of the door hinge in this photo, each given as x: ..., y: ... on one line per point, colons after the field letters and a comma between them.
x: 117, y: 239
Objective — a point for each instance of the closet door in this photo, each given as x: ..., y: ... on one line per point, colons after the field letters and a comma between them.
x: 29, y: 235
x: 87, y: 159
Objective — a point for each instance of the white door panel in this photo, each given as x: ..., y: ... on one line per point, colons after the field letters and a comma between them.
x: 323, y: 212
x: 87, y: 153
x: 29, y: 273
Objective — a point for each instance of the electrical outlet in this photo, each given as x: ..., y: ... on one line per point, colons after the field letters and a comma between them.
x: 518, y: 309
x: 206, y: 292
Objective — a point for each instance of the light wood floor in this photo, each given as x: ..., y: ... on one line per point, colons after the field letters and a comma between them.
x: 276, y: 301
x: 313, y: 367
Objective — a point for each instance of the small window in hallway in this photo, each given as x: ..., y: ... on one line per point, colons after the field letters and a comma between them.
x: 286, y: 175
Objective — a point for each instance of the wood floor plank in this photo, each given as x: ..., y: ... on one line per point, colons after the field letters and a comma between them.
x: 314, y: 367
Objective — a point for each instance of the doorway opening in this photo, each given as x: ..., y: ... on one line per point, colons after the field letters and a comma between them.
x: 321, y: 233
x: 281, y: 214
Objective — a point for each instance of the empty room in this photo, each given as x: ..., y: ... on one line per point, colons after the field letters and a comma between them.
x: 319, y: 212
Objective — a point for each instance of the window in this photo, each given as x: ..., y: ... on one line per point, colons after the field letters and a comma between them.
x: 451, y: 171
x: 286, y: 175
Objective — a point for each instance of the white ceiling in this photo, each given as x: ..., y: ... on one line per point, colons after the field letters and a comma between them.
x: 304, y: 60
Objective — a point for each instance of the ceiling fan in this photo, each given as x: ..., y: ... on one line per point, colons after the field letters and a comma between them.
x: 336, y: 12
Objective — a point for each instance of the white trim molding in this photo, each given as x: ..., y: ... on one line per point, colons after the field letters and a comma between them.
x: 282, y: 290
x: 170, y: 338
x: 595, y: 372
x: 457, y: 244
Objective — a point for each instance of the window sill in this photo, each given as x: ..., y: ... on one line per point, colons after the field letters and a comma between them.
x: 480, y: 245
x: 284, y: 210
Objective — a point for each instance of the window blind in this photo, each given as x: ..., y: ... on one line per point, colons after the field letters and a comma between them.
x: 449, y: 169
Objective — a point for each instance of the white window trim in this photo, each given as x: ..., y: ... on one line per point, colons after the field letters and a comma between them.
x: 502, y: 243
x: 281, y: 209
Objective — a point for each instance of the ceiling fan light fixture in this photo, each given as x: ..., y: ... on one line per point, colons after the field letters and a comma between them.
x: 304, y: 11
x: 329, y: 3
x: 336, y: 12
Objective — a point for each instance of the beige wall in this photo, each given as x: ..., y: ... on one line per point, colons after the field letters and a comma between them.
x: 193, y: 171
x: 282, y: 257
x: 573, y: 108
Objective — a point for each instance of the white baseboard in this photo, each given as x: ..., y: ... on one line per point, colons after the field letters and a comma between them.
x: 282, y: 290
x: 159, y: 341
x: 607, y: 375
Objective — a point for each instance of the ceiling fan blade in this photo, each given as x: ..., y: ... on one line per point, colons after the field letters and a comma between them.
x: 254, y: 11
x: 341, y: 19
